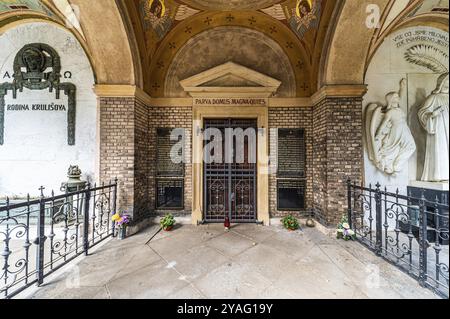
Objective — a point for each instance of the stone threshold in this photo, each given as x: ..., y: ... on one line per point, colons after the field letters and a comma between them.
x: 187, y: 220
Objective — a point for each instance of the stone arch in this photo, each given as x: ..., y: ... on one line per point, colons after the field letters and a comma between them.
x: 345, y: 57
x: 105, y: 39
x: 267, y: 26
x: 240, y: 46
x: 356, y: 51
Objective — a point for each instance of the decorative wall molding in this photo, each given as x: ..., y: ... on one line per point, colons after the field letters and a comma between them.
x: 272, y: 102
x: 339, y: 90
x: 117, y: 90
x: 221, y: 80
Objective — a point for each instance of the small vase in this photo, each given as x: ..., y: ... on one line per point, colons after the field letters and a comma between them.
x: 122, y: 233
x: 310, y: 222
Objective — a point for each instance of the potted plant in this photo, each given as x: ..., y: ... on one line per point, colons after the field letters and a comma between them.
x: 121, y: 223
x: 343, y: 230
x: 290, y: 223
x: 167, y: 222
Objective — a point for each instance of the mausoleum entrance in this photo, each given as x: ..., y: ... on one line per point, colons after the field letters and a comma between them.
x: 230, y: 170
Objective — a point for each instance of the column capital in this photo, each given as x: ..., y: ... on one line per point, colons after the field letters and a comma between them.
x: 339, y: 90
x: 121, y: 90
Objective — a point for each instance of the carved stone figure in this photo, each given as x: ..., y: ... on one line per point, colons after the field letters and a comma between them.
x: 74, y: 170
x: 389, y: 140
x: 433, y: 115
x: 34, y: 60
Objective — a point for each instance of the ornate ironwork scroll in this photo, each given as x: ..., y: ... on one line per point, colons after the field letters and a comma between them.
x: 37, y: 66
x: 230, y: 188
x: 69, y: 225
x: 410, y: 231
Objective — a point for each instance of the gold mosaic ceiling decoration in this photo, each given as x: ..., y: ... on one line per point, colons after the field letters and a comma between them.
x: 302, y: 15
x: 255, y: 20
x: 296, y: 25
x: 227, y: 5
x: 162, y: 15
x: 158, y: 15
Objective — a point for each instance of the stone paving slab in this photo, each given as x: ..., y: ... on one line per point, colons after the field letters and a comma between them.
x: 249, y: 261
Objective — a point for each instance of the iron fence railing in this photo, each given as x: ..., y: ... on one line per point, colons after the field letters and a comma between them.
x: 410, y: 232
x: 39, y: 236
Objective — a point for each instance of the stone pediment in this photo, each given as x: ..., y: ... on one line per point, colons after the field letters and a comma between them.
x: 231, y: 80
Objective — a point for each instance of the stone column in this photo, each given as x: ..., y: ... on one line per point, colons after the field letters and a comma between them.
x: 124, y: 147
x: 337, y: 148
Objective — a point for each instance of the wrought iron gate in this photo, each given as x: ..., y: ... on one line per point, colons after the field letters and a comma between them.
x: 230, y: 188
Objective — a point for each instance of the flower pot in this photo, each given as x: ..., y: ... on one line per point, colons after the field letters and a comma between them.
x: 168, y: 228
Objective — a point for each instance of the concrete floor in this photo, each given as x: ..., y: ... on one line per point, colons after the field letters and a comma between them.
x: 249, y: 261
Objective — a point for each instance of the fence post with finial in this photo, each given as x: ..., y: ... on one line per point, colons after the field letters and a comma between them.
x: 379, y: 220
x: 349, y: 203
x: 87, y: 199
x: 423, y: 240
x: 114, y: 211
x: 40, y: 241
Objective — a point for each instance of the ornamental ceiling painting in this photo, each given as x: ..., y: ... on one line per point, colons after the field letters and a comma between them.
x: 11, y: 5
x: 165, y: 26
x: 159, y: 32
x: 161, y: 15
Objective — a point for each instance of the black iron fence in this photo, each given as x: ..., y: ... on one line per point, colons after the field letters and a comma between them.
x: 410, y: 232
x: 39, y: 236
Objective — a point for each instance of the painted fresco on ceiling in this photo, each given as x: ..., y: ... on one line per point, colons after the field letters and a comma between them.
x: 36, y: 5
x: 11, y: 5
x: 302, y: 15
x: 305, y: 16
x: 157, y: 15
x: 184, y: 12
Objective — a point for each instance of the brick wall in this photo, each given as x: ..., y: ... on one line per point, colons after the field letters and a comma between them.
x: 333, y: 140
x: 290, y: 117
x: 338, y: 155
x: 170, y: 117
x: 142, y: 163
x: 124, y: 149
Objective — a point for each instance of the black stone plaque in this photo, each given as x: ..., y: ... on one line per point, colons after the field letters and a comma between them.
x: 291, y: 153
x: 165, y: 164
x: 170, y: 194
x: 291, y: 195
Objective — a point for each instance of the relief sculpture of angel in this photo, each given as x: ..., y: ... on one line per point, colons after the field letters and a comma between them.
x: 388, y: 137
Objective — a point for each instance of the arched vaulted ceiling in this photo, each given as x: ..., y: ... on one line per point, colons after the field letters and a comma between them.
x: 163, y: 35
x: 346, y: 58
x: 231, y: 4
x: 128, y: 44
x: 98, y: 25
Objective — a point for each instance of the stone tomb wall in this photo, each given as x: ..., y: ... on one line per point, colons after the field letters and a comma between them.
x: 388, y: 67
x: 36, y: 150
x: 291, y: 117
